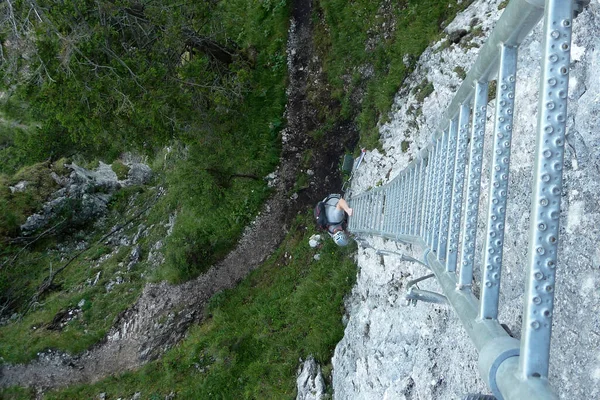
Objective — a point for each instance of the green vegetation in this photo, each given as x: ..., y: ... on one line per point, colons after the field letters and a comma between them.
x: 142, y: 80
x: 127, y: 85
x: 405, y: 145
x: 213, y: 207
x: 352, y: 36
x: 424, y: 89
x: 198, y: 87
x: 86, y: 280
x: 120, y: 169
x: 17, y: 205
x: 255, y: 334
x: 460, y: 71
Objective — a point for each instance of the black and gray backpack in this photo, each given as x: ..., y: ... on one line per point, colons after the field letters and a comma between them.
x: 320, y: 214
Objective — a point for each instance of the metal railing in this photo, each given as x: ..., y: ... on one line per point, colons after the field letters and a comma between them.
x: 429, y: 205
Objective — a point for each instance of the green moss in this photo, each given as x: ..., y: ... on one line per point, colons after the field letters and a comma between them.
x: 15, y: 207
x: 424, y: 89
x: 405, y: 145
x: 460, y: 71
x: 120, y: 169
x: 59, y: 168
x: 477, y: 31
x: 445, y: 44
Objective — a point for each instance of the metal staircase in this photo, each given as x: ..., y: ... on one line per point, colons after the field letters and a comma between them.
x: 434, y: 202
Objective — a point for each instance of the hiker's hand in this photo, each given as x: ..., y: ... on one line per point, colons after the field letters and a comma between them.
x: 350, y: 212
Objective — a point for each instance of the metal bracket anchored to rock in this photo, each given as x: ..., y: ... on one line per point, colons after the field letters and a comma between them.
x: 415, y: 294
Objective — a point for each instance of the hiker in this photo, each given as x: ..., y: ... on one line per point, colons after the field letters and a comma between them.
x: 336, y: 210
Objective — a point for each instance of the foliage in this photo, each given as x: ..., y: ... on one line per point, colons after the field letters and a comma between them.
x: 106, y: 76
x: 424, y: 89
x: 460, y: 71
x: 254, y: 334
x: 120, y: 169
x: 353, y: 39
x: 111, y: 76
x: 150, y: 89
x: 16, y: 206
x: 85, y: 279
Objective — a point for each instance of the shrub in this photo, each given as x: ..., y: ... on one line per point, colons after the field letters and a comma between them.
x: 120, y: 169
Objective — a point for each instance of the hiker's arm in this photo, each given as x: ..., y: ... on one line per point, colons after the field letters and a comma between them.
x: 343, y: 205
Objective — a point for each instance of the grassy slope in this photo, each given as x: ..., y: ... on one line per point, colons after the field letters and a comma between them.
x: 343, y: 30
x: 21, y: 340
x: 258, y: 331
x: 212, y: 210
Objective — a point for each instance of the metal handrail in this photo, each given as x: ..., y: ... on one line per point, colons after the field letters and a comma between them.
x: 424, y: 204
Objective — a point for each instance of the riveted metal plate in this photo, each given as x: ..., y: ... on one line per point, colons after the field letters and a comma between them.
x: 547, y: 188
x: 430, y: 194
x: 496, y: 210
x: 458, y: 187
x: 448, y: 187
x: 469, y: 226
x: 440, y: 191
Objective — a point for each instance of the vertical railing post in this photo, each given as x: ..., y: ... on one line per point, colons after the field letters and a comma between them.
x: 428, y: 193
x: 367, y: 216
x: 377, y: 208
x: 392, y: 206
x: 403, y: 197
x: 547, y: 189
x: 396, y: 230
x: 439, y: 192
x: 414, y: 213
x: 419, y: 196
x: 381, y: 208
x: 496, y: 212
x: 389, y: 208
x: 424, y: 181
x: 447, y: 197
x: 411, y: 189
x: 473, y: 184
x: 406, y: 222
x: 405, y: 217
x: 458, y: 186
x: 435, y: 190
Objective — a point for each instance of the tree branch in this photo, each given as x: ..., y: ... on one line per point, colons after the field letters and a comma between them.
x: 41, y: 235
x: 47, y: 283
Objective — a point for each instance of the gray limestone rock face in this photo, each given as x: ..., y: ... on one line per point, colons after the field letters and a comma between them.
x: 310, y: 382
x: 84, y: 194
x: 19, y: 187
x: 139, y: 174
x: 390, y: 351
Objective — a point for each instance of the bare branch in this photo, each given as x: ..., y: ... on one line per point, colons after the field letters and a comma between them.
x: 41, y: 235
x: 133, y: 75
x: 11, y: 16
x: 47, y: 283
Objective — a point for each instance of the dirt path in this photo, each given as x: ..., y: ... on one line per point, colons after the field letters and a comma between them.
x: 138, y: 336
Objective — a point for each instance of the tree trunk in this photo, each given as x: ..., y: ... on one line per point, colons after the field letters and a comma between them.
x: 208, y: 46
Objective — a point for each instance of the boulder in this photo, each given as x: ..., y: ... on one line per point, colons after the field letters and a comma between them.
x: 139, y: 174
x: 84, y: 194
x: 310, y: 382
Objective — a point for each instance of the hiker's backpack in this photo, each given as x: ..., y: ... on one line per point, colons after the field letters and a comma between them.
x: 320, y: 214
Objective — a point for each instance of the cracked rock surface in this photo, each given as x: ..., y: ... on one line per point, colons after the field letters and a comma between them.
x: 391, y: 351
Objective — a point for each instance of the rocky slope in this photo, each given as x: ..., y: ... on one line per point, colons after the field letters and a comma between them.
x: 163, y: 313
x: 390, y: 351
